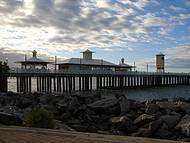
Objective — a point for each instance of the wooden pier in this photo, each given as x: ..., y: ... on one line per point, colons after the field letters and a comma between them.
x: 71, y: 81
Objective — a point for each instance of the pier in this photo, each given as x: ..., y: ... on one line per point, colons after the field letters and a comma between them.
x: 84, y: 80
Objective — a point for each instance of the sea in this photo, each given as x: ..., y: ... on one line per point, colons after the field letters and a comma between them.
x: 137, y: 93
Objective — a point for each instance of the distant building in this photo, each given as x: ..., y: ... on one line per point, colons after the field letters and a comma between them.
x: 88, y: 63
x: 33, y: 63
x: 160, y: 62
x: 123, y: 66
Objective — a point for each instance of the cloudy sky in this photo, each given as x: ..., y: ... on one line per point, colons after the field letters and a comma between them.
x: 133, y: 29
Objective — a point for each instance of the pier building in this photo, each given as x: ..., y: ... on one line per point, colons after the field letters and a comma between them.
x: 33, y: 63
x: 88, y: 63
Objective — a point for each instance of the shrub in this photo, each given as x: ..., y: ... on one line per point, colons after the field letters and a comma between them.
x: 39, y: 118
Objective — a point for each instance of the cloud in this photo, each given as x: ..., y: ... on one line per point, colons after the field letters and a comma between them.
x: 175, y: 8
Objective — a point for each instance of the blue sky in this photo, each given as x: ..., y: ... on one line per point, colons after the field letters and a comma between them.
x: 134, y: 29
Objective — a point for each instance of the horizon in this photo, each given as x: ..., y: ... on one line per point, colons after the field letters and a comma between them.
x: 113, y: 29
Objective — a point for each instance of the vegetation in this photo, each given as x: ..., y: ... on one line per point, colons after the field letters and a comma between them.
x: 4, y: 68
x: 39, y: 118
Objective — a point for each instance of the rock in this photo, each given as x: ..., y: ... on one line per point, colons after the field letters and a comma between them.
x: 163, y: 134
x: 170, y: 120
x: 142, y: 132
x: 123, y: 124
x: 10, y: 119
x: 179, y: 99
x: 103, y: 104
x: 152, y: 108
x: 184, y: 126
x: 166, y: 105
x: 125, y: 105
x: 24, y: 103
x: 184, y: 106
x: 144, y: 119
x: 61, y: 126
x: 67, y: 103
x: 47, y: 99
x: 153, y: 126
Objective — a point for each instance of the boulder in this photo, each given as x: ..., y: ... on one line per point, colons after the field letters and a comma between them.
x: 10, y: 119
x: 163, y: 133
x: 142, y: 132
x: 152, y: 108
x: 166, y: 105
x: 155, y: 125
x: 144, y: 119
x: 123, y: 124
x: 103, y: 104
x: 184, y: 126
x: 61, y: 126
x: 185, y: 107
x: 126, y: 104
x: 170, y: 120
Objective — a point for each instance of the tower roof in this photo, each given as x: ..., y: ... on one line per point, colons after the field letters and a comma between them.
x: 160, y: 54
x: 87, y: 51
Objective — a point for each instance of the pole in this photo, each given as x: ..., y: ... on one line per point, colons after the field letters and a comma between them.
x: 147, y: 67
x: 55, y: 63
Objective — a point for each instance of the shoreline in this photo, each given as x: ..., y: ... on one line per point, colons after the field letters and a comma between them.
x: 95, y: 113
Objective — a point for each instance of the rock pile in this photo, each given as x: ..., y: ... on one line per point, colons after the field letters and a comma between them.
x: 109, y: 115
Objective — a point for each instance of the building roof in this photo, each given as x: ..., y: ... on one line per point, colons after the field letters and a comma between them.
x: 160, y: 54
x: 125, y: 65
x: 87, y: 51
x: 79, y: 61
x: 33, y: 60
x: 92, y: 62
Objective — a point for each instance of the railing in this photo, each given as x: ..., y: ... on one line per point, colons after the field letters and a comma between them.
x: 89, y: 72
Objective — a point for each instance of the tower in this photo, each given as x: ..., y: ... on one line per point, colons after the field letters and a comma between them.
x: 34, y: 53
x: 87, y: 55
x: 160, y: 62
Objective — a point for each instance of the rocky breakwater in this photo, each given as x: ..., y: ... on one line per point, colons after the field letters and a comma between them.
x: 107, y: 115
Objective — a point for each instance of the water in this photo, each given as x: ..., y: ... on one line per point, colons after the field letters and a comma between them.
x: 140, y: 94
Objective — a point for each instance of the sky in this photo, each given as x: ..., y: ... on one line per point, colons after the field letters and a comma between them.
x: 136, y: 30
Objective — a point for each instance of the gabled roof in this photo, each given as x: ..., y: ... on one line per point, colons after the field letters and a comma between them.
x: 95, y: 62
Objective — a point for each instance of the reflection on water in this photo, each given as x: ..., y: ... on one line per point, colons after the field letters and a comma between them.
x: 140, y: 94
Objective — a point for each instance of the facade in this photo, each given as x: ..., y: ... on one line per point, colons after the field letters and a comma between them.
x: 88, y: 63
x: 160, y: 62
x: 33, y: 63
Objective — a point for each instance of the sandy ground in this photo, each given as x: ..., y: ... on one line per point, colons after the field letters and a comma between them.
x: 31, y: 135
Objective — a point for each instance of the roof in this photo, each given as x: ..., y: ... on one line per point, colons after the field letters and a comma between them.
x: 94, y: 62
x: 160, y: 54
x: 79, y: 61
x: 87, y: 51
x: 124, y: 65
x: 33, y: 60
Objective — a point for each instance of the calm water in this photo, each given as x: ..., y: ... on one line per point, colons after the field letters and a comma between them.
x: 140, y: 94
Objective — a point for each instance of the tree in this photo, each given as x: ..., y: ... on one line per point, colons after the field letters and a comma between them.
x: 4, y: 68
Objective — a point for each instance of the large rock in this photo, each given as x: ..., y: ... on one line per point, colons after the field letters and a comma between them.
x: 167, y: 105
x: 144, y: 119
x: 185, y: 107
x: 163, y: 133
x: 123, y: 124
x: 10, y: 119
x: 152, y: 108
x: 103, y: 104
x: 142, y: 132
x: 155, y: 125
x: 61, y: 126
x: 125, y: 104
x: 184, y: 125
x: 170, y: 120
